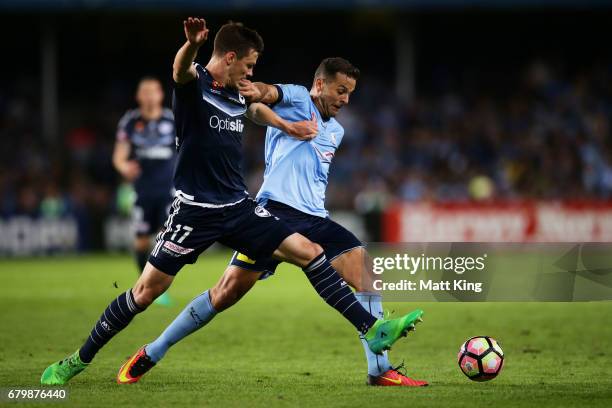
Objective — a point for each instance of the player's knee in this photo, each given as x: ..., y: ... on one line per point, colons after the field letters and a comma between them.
x: 308, y: 251
x: 312, y: 250
x: 144, y: 294
x: 298, y: 250
x: 142, y: 298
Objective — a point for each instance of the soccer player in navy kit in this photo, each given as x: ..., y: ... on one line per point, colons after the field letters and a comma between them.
x: 211, y: 201
x: 144, y: 155
x: 301, y: 205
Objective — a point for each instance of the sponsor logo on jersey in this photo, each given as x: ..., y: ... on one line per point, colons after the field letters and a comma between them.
x: 235, y: 125
x: 166, y: 128
x: 169, y: 252
x: 155, y: 152
x: 262, y: 212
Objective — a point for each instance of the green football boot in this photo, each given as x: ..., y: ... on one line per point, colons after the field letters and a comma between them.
x: 61, y: 372
x: 385, y: 332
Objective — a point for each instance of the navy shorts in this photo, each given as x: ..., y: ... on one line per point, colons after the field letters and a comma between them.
x: 149, y: 213
x: 333, y: 238
x: 190, y: 229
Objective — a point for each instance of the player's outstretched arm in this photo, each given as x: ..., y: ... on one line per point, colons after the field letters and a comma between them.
x: 196, y: 34
x: 258, y: 92
x: 264, y: 116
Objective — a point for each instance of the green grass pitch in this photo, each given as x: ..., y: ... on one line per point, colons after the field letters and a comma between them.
x: 282, y: 346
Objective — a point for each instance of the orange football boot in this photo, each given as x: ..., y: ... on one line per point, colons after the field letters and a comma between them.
x: 394, y: 378
x: 135, y: 367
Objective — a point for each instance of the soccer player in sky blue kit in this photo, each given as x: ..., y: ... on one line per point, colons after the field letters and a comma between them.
x: 295, y: 180
x: 144, y: 155
x: 212, y: 204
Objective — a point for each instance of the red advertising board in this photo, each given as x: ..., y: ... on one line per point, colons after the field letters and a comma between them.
x: 529, y: 221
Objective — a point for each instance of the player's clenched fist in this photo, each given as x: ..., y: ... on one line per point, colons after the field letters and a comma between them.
x: 304, y: 130
x: 249, y: 90
x: 195, y: 30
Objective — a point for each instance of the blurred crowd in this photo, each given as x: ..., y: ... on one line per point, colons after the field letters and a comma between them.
x: 545, y: 136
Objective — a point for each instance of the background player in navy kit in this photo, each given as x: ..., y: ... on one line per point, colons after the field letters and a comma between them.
x: 212, y: 203
x: 144, y: 155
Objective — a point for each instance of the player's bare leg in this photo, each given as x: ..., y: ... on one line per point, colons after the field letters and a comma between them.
x: 298, y: 250
x: 380, y: 333
x: 232, y: 286
x: 115, y: 318
x: 142, y: 248
x: 355, y: 268
x: 150, y: 285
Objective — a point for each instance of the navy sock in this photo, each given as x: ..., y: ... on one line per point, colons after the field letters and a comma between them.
x: 115, y: 318
x: 334, y: 290
x: 141, y: 259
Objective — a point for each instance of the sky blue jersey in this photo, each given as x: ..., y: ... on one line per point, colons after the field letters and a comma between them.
x: 296, y: 171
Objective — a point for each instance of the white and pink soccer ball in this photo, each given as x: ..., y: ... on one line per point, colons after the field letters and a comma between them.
x: 480, y: 358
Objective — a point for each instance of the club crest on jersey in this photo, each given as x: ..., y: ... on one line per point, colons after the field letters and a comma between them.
x: 235, y: 125
x: 217, y: 85
x: 139, y: 126
x: 240, y: 99
x: 262, y: 212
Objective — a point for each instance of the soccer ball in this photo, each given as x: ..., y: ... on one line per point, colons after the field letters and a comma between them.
x: 480, y: 358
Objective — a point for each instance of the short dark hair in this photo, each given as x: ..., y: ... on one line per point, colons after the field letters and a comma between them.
x: 329, y: 67
x: 149, y: 78
x: 237, y: 38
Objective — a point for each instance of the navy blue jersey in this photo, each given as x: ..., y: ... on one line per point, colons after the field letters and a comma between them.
x: 209, y: 126
x: 152, y: 145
